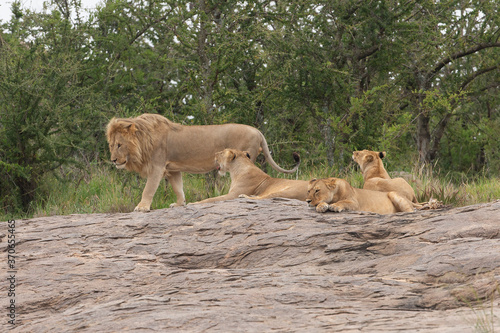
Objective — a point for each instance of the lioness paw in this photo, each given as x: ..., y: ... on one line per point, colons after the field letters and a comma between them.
x: 335, y: 208
x: 175, y: 204
x: 244, y: 196
x: 322, y: 207
x: 143, y: 209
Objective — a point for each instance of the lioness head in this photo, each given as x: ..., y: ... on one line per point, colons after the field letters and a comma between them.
x: 226, y: 158
x: 366, y: 158
x: 123, y: 144
x: 321, y: 190
x: 327, y: 190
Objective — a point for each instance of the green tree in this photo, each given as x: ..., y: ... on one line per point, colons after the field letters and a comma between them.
x: 320, y: 77
x: 329, y: 65
x: 452, y: 51
x: 46, y: 114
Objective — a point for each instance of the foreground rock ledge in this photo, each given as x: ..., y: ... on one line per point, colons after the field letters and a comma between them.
x: 257, y: 266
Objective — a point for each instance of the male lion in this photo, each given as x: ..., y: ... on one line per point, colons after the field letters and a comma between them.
x: 376, y: 177
x: 251, y: 182
x: 156, y: 147
x: 337, y: 195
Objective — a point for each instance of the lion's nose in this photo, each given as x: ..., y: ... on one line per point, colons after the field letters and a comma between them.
x: 308, y: 200
x: 114, y: 161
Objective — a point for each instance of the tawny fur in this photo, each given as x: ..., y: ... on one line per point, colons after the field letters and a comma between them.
x: 337, y: 195
x: 376, y: 177
x: 157, y: 148
x: 249, y: 181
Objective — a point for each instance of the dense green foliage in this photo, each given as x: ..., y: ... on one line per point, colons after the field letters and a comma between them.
x: 419, y: 79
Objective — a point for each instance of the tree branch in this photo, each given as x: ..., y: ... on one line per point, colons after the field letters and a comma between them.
x: 368, y: 52
x: 462, y: 54
x: 142, y: 31
x: 476, y: 74
x: 438, y: 133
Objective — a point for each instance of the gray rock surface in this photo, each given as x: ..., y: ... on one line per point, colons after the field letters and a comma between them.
x: 259, y: 266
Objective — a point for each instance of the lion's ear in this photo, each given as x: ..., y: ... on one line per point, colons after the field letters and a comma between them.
x: 330, y: 183
x: 369, y: 158
x: 381, y: 154
x: 130, y: 129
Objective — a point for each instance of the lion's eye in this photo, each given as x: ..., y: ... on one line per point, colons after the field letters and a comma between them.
x: 317, y: 190
x: 118, y: 145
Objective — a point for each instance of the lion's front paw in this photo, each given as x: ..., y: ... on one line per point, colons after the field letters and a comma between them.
x: 142, y: 208
x: 322, y: 207
x: 244, y: 196
x: 176, y: 204
x: 335, y: 208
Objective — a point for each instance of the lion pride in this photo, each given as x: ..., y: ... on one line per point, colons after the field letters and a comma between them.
x: 156, y: 147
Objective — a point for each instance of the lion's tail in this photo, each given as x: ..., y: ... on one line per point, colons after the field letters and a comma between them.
x: 274, y: 165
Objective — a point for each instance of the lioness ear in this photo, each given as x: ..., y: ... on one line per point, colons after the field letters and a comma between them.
x: 369, y: 158
x: 381, y: 154
x: 330, y: 183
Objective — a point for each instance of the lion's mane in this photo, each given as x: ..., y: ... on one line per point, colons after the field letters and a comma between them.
x: 141, y: 134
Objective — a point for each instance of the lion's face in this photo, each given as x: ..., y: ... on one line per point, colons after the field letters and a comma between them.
x: 318, y: 192
x: 119, y: 151
x: 327, y: 190
x: 365, y: 158
x: 224, y: 159
x: 124, y: 145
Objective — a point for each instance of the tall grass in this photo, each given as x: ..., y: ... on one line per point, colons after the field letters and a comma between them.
x: 483, y: 309
x: 102, y: 189
x: 454, y: 190
x: 96, y: 189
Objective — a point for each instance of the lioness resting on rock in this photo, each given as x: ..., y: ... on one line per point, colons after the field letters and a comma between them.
x: 156, y: 147
x: 248, y: 180
x: 376, y: 177
x: 338, y: 195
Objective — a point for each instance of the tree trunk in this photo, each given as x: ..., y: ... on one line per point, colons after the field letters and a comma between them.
x: 27, y: 190
x: 329, y: 142
x: 423, y: 139
x: 206, y: 84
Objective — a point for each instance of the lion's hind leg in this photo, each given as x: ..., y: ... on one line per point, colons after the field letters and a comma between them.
x: 262, y: 196
x: 400, y: 202
x: 245, y: 196
x: 343, y: 205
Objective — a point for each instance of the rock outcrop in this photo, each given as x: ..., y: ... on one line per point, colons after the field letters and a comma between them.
x: 259, y: 266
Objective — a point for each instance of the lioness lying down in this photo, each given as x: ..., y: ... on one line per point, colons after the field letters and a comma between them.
x: 376, y: 177
x: 157, y: 148
x: 248, y: 180
x: 337, y: 195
